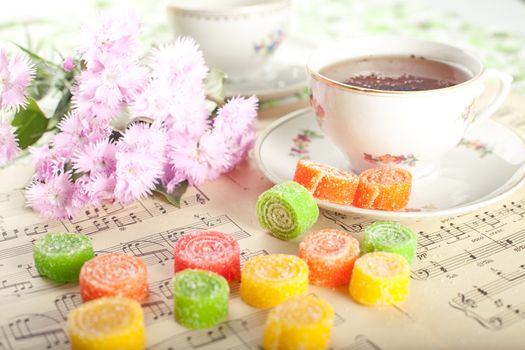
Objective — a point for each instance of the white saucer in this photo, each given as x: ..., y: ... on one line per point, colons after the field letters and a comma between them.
x: 486, y: 166
x: 276, y: 81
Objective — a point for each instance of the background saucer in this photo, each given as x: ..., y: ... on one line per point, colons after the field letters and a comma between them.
x: 488, y: 164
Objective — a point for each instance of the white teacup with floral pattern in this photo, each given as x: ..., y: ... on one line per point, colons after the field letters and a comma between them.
x: 409, y: 129
x: 236, y: 36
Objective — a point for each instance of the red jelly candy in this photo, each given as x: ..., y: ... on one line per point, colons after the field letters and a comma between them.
x: 212, y: 251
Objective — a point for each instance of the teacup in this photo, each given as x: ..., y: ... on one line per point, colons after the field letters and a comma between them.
x: 236, y: 36
x: 408, y: 129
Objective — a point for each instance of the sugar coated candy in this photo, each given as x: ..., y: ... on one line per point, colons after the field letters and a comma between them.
x: 390, y: 237
x: 59, y: 256
x: 383, y: 189
x: 110, y: 323
x: 287, y: 210
x: 213, y: 251
x: 200, y: 298
x: 326, y: 182
x: 380, y: 278
x: 268, y: 280
x: 303, y: 322
x: 115, y: 274
x: 330, y: 255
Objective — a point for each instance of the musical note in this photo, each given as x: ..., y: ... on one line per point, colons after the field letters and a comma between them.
x: 38, y: 326
x: 66, y: 303
x: 158, y: 308
x: 8, y: 235
x: 17, y: 286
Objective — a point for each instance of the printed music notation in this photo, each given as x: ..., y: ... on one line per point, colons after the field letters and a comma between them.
x: 106, y: 217
x: 489, y: 304
x: 241, y: 333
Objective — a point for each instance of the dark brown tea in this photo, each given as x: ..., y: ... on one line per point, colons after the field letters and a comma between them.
x: 396, y: 73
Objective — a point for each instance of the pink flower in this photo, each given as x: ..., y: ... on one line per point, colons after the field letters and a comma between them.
x: 96, y: 189
x: 9, y: 149
x: 97, y: 158
x: 69, y: 64
x: 103, y: 93
x: 181, y: 60
x: 237, y: 116
x: 53, y: 199
x: 143, y: 138
x: 77, y: 131
x: 16, y: 74
x: 47, y: 162
x: 199, y: 160
x: 238, y: 149
x: 114, y: 34
x: 137, y: 174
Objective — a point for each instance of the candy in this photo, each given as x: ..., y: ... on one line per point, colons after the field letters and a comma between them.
x: 109, y: 323
x: 303, y: 322
x: 383, y: 189
x: 213, y: 251
x: 287, y: 210
x: 268, y: 280
x: 200, y: 298
x: 380, y: 278
x: 59, y: 256
x: 330, y: 255
x: 114, y: 274
x: 390, y: 237
x: 326, y: 182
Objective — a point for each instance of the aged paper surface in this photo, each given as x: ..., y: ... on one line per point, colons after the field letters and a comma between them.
x: 467, y: 291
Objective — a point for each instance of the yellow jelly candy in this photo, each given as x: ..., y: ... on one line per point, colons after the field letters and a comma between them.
x: 268, y: 280
x: 380, y: 278
x: 107, y: 323
x: 303, y: 322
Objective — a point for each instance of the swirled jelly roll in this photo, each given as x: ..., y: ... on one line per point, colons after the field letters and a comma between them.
x: 326, y: 182
x: 287, y: 210
x: 109, y: 323
x: 268, y: 280
x: 60, y: 256
x: 303, y: 322
x: 380, y: 278
x: 330, y: 255
x: 115, y: 274
x: 390, y: 237
x: 383, y: 189
x: 212, y: 251
x: 200, y: 298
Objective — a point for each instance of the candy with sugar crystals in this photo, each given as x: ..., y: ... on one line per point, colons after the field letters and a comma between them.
x: 390, y: 237
x: 59, y: 256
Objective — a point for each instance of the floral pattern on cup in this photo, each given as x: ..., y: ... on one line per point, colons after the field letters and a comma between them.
x: 482, y: 148
x: 469, y: 112
x: 271, y: 43
x: 301, y: 143
x: 318, y: 109
x: 408, y: 159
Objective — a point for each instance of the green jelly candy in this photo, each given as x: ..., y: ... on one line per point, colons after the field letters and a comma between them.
x: 200, y: 298
x: 287, y: 210
x: 59, y: 256
x: 390, y: 237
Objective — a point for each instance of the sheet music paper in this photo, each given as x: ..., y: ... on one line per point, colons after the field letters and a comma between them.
x: 467, y: 288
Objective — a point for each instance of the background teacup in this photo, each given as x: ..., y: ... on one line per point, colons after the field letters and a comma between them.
x: 409, y: 129
x: 236, y: 36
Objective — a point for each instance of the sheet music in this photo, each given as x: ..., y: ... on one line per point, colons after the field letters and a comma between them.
x: 468, y: 278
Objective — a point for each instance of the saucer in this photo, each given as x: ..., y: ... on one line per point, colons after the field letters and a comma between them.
x: 275, y: 81
x: 486, y: 166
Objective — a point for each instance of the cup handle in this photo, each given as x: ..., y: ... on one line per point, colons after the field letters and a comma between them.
x: 504, y: 85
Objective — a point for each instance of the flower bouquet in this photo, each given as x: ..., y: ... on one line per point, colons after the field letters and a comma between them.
x: 124, y: 125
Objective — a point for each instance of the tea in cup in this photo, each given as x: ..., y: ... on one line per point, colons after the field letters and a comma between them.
x: 392, y: 101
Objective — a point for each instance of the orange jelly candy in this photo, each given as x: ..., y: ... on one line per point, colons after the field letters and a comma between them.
x: 114, y: 274
x: 326, y: 182
x: 383, y: 189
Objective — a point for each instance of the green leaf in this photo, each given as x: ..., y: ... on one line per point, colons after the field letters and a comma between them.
x: 63, y: 105
x: 175, y: 196
x: 215, y: 85
x: 30, y: 123
x: 31, y: 54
